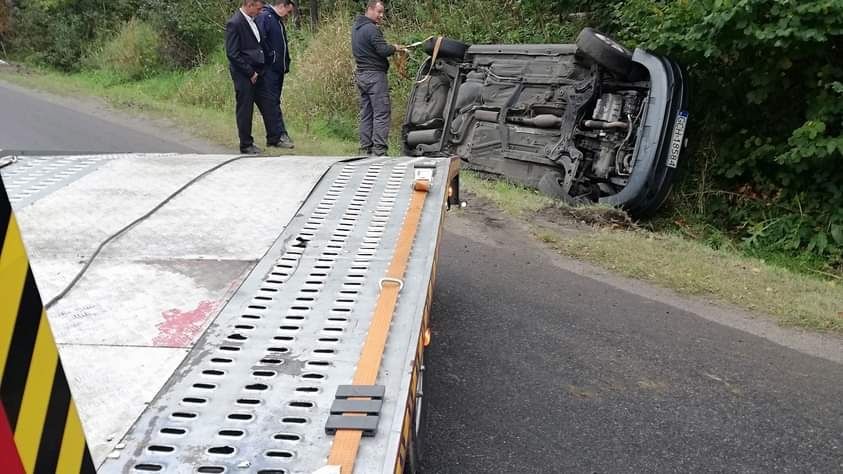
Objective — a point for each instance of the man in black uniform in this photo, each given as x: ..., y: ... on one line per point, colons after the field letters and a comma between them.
x: 371, y: 53
x: 245, y: 63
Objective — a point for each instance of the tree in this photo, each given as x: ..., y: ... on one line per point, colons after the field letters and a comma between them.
x: 314, y: 14
x: 5, y: 23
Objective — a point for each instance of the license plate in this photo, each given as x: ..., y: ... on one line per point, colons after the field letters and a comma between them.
x: 678, y: 137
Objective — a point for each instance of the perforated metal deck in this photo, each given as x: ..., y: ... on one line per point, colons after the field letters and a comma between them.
x: 255, y: 392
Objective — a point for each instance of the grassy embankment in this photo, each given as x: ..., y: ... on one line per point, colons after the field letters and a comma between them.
x: 674, y: 261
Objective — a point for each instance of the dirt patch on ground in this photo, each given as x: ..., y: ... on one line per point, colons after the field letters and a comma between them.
x: 604, y: 217
x: 559, y: 221
x: 11, y: 68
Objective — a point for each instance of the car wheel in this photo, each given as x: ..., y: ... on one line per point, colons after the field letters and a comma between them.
x: 606, y: 52
x: 450, y: 48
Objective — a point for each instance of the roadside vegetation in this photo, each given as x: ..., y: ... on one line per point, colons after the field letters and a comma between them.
x: 762, y: 180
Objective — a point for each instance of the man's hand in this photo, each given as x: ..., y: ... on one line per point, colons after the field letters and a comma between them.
x: 254, y: 77
x: 398, y: 47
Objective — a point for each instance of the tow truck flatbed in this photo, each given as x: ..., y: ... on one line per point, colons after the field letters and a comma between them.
x: 213, y: 335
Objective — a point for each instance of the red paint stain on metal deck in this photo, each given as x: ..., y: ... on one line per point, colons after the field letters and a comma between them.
x: 180, y: 328
x: 9, y: 459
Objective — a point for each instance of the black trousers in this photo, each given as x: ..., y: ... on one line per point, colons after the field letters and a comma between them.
x: 273, y: 81
x: 247, y: 95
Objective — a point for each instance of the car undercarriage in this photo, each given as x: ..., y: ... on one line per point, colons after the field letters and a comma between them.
x: 586, y: 123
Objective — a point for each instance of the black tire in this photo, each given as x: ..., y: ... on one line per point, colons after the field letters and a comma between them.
x: 450, y: 48
x: 606, y: 52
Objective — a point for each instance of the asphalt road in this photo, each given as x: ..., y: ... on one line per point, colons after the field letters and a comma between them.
x: 535, y: 367
x: 36, y: 122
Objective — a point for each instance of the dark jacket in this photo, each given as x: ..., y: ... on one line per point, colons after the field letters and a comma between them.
x: 274, y: 40
x: 370, y: 49
x: 244, y: 52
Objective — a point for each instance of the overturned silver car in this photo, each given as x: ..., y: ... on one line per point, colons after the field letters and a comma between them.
x: 590, y: 122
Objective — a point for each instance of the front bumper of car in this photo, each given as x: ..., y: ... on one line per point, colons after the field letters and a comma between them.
x: 651, y: 179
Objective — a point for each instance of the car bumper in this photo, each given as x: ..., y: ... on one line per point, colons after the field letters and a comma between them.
x: 651, y: 179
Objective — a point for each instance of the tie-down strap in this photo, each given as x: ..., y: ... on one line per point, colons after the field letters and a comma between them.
x: 349, y: 431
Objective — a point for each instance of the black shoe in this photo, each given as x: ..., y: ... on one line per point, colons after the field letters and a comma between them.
x: 251, y: 150
x: 364, y: 151
x: 286, y: 138
x: 378, y: 152
x: 281, y: 144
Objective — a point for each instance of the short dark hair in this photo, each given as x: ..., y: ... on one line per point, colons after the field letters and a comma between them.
x: 286, y: 3
x: 373, y: 3
x: 249, y: 2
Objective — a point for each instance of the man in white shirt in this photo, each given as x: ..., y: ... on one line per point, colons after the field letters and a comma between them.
x: 245, y: 63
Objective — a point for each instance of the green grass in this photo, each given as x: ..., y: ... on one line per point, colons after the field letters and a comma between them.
x: 690, y: 223
x: 516, y: 200
x: 525, y: 203
x: 692, y: 268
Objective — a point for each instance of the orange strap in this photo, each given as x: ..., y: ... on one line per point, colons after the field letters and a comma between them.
x: 432, y: 58
x: 346, y: 442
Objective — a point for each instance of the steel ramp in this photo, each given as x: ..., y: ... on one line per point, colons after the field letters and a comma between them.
x: 254, y: 393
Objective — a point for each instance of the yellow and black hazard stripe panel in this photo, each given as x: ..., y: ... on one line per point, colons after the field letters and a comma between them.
x: 39, y: 425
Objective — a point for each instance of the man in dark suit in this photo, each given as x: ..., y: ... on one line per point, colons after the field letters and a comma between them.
x: 245, y: 63
x: 277, y: 53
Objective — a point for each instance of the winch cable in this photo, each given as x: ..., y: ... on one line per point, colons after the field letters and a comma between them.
x: 155, y: 209
x: 8, y: 161
x: 142, y: 218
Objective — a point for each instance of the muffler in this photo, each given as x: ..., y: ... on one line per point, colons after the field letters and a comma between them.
x: 424, y: 137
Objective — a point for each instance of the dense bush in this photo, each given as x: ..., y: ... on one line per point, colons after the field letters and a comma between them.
x: 209, y: 85
x: 767, y: 94
x: 473, y: 21
x: 58, y: 32
x: 320, y: 90
x: 5, y: 23
x: 133, y: 53
x: 192, y: 30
